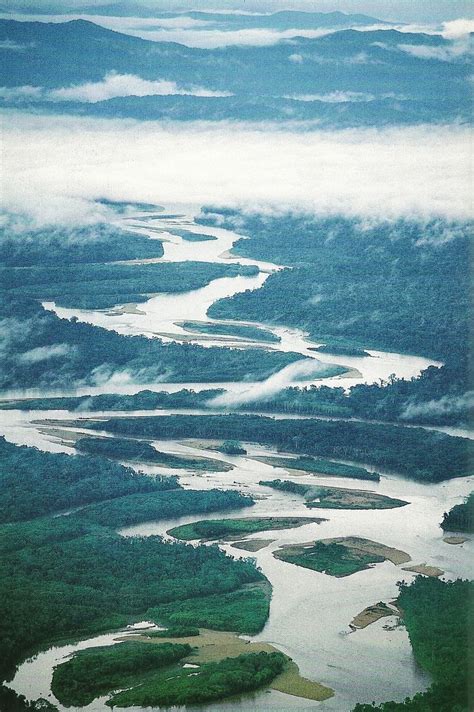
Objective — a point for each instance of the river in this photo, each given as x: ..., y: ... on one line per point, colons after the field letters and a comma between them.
x: 310, y: 612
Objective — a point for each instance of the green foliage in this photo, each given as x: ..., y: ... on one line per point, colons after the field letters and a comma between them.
x: 215, y: 681
x: 399, y: 286
x: 221, y: 528
x: 243, y: 331
x: 10, y: 701
x: 35, y: 483
x: 135, y: 508
x: 461, y: 517
x: 94, y: 672
x: 68, y: 576
x: 244, y: 610
x: 332, y: 559
x: 426, y: 456
x: 175, y: 631
x: 321, y: 466
x: 137, y: 451
x: 72, y: 351
x: 232, y: 447
x: 318, y: 497
x: 100, y: 286
x: 438, y: 617
x: 46, y: 248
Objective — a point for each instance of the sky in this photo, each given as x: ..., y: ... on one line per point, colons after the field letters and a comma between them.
x: 397, y: 10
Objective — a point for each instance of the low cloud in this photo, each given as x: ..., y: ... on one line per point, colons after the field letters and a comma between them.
x: 12, y: 46
x: 294, y: 372
x: 458, y: 49
x: 53, y: 167
x: 448, y: 405
x: 113, y: 85
x: 44, y: 353
x: 336, y: 97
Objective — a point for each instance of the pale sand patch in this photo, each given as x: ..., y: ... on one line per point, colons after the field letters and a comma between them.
x: 131, y: 308
x: 455, y: 539
x: 215, y: 645
x: 396, y: 556
x: 252, y: 544
x: 431, y: 571
x: 371, y: 614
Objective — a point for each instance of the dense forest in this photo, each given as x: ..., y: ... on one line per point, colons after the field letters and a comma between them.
x: 427, y: 456
x: 438, y: 618
x: 432, y: 398
x: 461, y: 517
x: 101, y: 286
x: 94, y: 672
x: 142, y: 452
x: 396, y: 286
x: 87, y: 244
x: 34, y: 483
x: 70, y: 576
x: 215, y: 681
x: 40, y: 350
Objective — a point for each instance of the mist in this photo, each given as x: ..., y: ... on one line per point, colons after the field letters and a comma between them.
x: 54, y: 167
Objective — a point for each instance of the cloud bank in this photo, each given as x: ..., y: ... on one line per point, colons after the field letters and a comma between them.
x: 113, y: 85
x: 52, y: 167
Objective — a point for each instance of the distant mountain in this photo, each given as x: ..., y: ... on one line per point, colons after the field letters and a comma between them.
x: 382, y: 74
x: 287, y: 19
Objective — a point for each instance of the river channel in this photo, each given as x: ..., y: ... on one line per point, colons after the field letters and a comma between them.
x: 310, y: 612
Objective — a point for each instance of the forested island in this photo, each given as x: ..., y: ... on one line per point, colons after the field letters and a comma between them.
x: 317, y: 497
x: 426, y: 456
x: 461, y: 517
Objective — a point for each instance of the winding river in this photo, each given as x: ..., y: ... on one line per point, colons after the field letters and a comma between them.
x: 310, y: 612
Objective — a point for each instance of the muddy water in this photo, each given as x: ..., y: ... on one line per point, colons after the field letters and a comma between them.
x: 310, y: 612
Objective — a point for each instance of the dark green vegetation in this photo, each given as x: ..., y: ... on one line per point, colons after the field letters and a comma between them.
x: 232, y: 447
x: 335, y: 497
x: 224, y: 528
x: 100, y: 286
x: 10, y: 701
x: 136, y: 508
x: 426, y: 456
x: 320, y: 466
x: 438, y: 617
x: 138, y: 451
x: 253, y: 333
x: 43, y: 351
x: 68, y: 576
x: 176, y: 631
x: 40, y: 252
x: 332, y: 558
x: 340, y: 349
x: 144, y: 400
x: 215, y: 681
x: 35, y: 483
x: 192, y: 236
x: 461, y: 517
x: 95, y: 672
x: 418, y: 276
x: 418, y: 301
x: 244, y: 610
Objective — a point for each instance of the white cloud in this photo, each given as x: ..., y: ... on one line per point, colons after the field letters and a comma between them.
x: 458, y: 28
x: 53, y: 165
x: 296, y: 58
x: 44, y: 353
x: 335, y: 97
x: 13, y: 46
x: 448, y: 53
x: 113, y: 85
